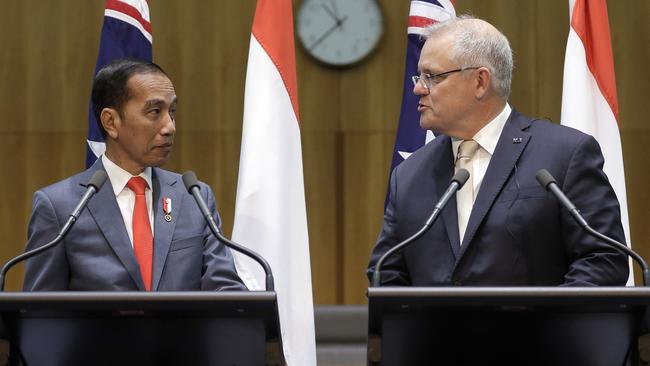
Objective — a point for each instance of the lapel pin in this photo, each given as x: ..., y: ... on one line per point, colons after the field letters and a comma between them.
x: 167, y: 208
x: 517, y: 140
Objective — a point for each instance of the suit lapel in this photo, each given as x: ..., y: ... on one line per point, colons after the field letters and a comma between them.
x: 104, y: 209
x: 512, y: 142
x: 164, y: 186
x: 442, y: 173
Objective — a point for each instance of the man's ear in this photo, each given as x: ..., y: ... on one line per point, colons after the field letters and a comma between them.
x: 483, y: 82
x: 110, y: 120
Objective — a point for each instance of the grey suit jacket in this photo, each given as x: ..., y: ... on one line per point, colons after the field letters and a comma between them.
x: 97, y: 254
x: 518, y: 234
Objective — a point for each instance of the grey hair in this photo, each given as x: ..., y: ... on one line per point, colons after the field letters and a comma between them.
x: 478, y: 43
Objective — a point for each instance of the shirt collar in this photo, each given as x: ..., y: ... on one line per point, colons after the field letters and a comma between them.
x: 488, y: 136
x: 119, y: 177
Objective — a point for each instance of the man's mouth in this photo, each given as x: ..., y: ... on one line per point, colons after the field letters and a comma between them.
x: 167, y: 145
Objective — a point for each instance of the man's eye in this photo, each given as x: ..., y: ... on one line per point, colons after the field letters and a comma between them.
x: 154, y: 111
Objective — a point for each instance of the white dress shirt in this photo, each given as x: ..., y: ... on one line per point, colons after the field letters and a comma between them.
x: 487, y: 138
x: 126, y: 197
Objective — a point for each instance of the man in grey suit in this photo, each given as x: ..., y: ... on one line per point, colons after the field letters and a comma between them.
x: 142, y: 230
x: 501, y: 228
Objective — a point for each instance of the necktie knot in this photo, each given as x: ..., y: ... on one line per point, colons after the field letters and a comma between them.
x: 467, y: 149
x: 137, y: 185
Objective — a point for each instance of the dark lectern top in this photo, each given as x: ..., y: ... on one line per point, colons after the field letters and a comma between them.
x: 504, y: 325
x: 138, y: 328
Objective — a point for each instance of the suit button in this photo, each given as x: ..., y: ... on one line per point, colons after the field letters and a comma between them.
x: 458, y: 283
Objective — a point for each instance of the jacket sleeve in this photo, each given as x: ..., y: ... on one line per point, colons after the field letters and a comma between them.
x: 219, y: 271
x: 393, y: 271
x: 47, y: 271
x: 592, y: 261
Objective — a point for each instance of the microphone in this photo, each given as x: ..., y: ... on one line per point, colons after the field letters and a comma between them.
x: 457, y: 183
x: 94, y: 184
x: 192, y: 185
x: 547, y: 181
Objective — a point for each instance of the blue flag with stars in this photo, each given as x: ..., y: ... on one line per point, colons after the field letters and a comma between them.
x: 410, y: 136
x: 126, y: 33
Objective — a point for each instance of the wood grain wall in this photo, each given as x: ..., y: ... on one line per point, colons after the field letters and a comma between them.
x: 348, y: 116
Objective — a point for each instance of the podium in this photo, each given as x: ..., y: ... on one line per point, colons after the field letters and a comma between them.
x: 136, y: 328
x: 504, y: 326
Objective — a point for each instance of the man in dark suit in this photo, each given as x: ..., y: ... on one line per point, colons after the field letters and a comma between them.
x: 113, y: 246
x: 501, y: 228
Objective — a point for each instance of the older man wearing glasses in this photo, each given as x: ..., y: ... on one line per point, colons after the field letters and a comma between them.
x: 502, y: 228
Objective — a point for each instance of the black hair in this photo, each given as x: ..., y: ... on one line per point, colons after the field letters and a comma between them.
x: 110, y: 85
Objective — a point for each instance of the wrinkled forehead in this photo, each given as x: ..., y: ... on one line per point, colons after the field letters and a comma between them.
x: 436, y: 55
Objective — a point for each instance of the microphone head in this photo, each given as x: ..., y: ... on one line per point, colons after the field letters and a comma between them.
x: 461, y: 176
x: 98, y: 179
x: 544, y: 178
x: 190, y: 181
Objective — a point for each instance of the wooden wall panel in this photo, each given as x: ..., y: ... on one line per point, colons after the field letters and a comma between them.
x: 370, y: 103
x: 322, y: 161
x: 366, y: 177
x: 638, y: 194
x: 630, y: 39
x: 348, y: 116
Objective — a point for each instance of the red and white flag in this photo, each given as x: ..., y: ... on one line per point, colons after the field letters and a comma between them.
x: 270, y: 212
x: 589, y: 100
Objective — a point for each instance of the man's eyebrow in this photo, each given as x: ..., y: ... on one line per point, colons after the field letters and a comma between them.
x: 154, y: 103
x: 158, y: 103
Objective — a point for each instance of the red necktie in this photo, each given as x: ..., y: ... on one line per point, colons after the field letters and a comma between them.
x: 142, y: 237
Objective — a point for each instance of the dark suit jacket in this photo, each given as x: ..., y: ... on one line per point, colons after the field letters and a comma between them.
x: 97, y: 254
x: 517, y: 235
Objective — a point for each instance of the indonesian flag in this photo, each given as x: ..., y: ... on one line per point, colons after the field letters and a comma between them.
x: 270, y: 213
x: 589, y: 101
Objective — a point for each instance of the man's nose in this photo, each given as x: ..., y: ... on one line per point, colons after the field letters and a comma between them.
x: 169, y: 125
x: 419, y: 89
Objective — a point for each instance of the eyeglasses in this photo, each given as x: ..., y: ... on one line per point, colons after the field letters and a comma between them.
x: 431, y: 80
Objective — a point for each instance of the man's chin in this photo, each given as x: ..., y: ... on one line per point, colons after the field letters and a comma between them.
x: 428, y: 125
x: 159, y: 161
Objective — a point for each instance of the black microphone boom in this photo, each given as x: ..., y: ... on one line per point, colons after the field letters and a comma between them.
x: 94, y: 184
x: 547, y: 181
x: 457, y: 183
x: 192, y: 186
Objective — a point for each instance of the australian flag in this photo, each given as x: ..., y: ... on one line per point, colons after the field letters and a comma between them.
x: 126, y: 34
x: 410, y: 136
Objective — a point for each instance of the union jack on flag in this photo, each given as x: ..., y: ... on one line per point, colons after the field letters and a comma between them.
x: 126, y: 33
x: 410, y: 136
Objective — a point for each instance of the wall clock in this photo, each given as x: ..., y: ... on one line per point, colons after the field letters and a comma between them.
x: 339, y: 32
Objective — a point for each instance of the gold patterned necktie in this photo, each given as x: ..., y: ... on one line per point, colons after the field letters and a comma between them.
x: 465, y: 196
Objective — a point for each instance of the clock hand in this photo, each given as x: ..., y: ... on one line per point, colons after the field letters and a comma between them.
x: 336, y: 19
x: 327, y: 33
x: 336, y: 12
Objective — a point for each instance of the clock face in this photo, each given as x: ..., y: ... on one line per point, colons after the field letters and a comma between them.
x: 339, y: 32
